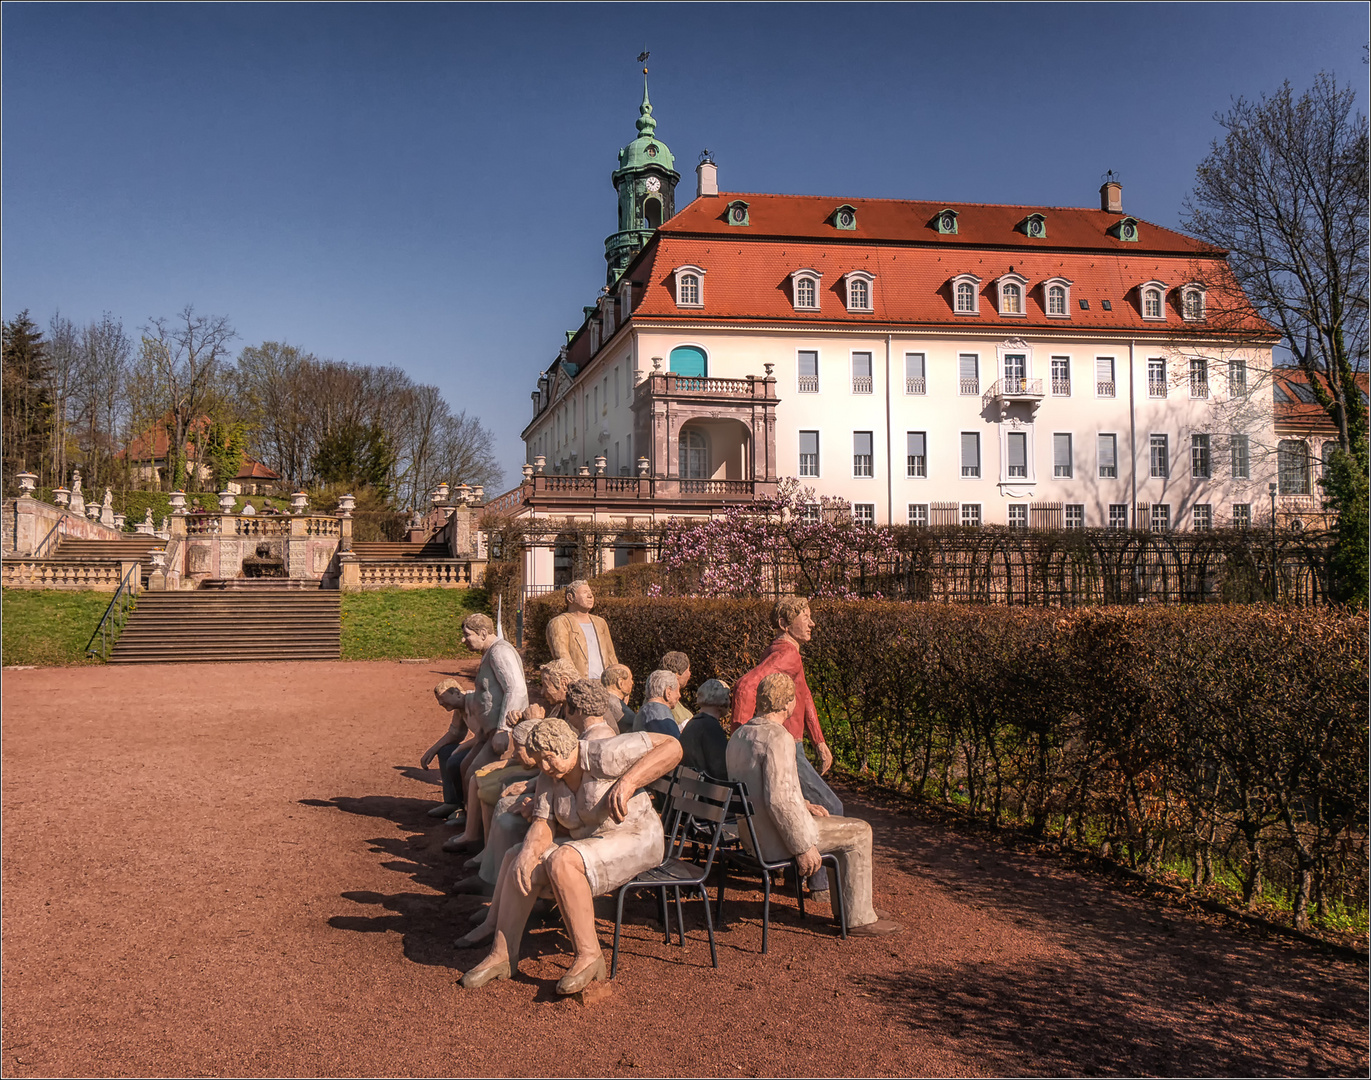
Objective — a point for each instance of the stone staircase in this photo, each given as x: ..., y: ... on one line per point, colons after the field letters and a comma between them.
x: 260, y: 619
x: 388, y: 551
x: 76, y: 563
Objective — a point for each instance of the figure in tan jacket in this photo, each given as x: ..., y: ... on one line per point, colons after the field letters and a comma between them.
x: 579, y: 636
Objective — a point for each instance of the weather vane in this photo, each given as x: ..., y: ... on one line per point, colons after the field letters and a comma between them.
x: 642, y: 59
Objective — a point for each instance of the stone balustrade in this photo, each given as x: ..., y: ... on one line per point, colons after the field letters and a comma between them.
x: 103, y: 576
x: 416, y: 574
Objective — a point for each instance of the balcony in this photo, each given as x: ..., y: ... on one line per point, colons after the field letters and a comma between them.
x: 625, y: 494
x: 915, y: 386
x: 861, y: 384
x: 809, y: 384
x: 1011, y: 389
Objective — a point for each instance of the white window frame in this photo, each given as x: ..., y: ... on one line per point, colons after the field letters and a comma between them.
x: 1199, y: 390
x: 961, y: 457
x: 910, y: 475
x: 796, y: 277
x: 852, y: 371
x: 872, y: 474
x: 1047, y: 287
x: 912, y: 385
x: 1238, y: 388
x: 799, y: 386
x: 1017, y: 510
x: 1153, y: 384
x: 1067, y: 515
x: 679, y: 274
x: 1012, y: 279
x: 975, y: 283
x: 625, y: 300
x: 856, y: 517
x: 1198, y: 450
x: 1152, y: 447
x: 1116, y: 520
x: 1242, y: 515
x: 1198, y: 511
x: 971, y: 510
x: 818, y: 454
x: 869, y: 280
x: 1030, y: 474
x: 1070, y: 473
x: 1193, y: 288
x: 962, y: 383
x: 1161, y: 289
x: 1099, y: 464
x: 1240, y: 457
x: 1055, y: 382
x: 1113, y: 383
x: 1159, y: 518
x: 911, y: 512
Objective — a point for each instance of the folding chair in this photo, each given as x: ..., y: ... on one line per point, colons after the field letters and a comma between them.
x: 697, y: 812
x: 739, y: 856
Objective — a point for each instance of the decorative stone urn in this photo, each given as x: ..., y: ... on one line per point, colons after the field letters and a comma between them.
x: 643, y: 466
x: 61, y: 496
x: 27, y: 482
x: 527, y: 469
x: 119, y: 520
x: 478, y: 494
x: 346, y: 504
x: 299, y: 501
x: 440, y: 493
x: 178, y: 503
x: 226, y: 501
x: 584, y: 470
x: 463, y: 494
x: 539, y: 464
x: 600, y: 462
x: 93, y: 511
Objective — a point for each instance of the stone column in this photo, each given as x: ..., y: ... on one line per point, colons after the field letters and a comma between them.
x: 297, y: 549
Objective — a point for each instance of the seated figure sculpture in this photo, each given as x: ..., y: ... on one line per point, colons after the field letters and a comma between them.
x: 451, y: 748
x: 618, y: 680
x: 704, y: 744
x: 663, y: 693
x: 579, y: 636
x: 761, y: 754
x: 680, y: 664
x: 590, y: 791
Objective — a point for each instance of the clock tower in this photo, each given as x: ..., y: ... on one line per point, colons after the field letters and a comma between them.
x: 646, y: 183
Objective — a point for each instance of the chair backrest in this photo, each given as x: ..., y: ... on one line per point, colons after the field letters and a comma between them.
x: 699, y: 809
x: 740, y: 809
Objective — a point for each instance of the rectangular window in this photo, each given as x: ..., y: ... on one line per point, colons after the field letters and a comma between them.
x: 808, y: 364
x: 861, y: 373
x: 1237, y: 378
x: 1016, y: 452
x: 915, y: 380
x: 1018, y: 516
x: 616, y: 387
x: 971, y: 514
x: 917, y: 454
x: 1199, y: 377
x: 1238, y: 450
x: 968, y: 371
x: 1107, y: 451
x: 614, y: 466
x: 1292, y: 466
x: 1015, y: 373
x: 1242, y: 515
x: 1156, y: 378
x: 809, y: 453
x: 864, y: 513
x: 1104, y: 376
x: 1161, y: 517
x: 1061, y: 376
x: 809, y: 513
x: 1160, y: 461
x: 1061, y: 455
x: 1075, y: 515
x: 1118, y: 515
x: 1199, y: 457
x: 628, y: 453
x: 862, y: 453
x: 1203, y: 518
x: 971, y: 454
x: 918, y: 515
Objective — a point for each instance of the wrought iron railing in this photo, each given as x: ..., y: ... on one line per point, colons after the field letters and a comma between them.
x: 915, y: 386
x: 116, y: 614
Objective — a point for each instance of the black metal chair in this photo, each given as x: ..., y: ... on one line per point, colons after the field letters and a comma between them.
x: 697, y: 811
x: 739, y: 856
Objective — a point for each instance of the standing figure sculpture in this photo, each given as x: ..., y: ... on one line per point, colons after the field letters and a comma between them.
x: 579, y: 636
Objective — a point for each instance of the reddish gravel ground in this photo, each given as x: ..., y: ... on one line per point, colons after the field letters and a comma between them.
x: 227, y: 870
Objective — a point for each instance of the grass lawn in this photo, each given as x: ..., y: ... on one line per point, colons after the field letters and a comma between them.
x: 48, y: 628
x: 400, y: 624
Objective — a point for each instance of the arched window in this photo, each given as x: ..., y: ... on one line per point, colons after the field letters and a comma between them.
x: 1012, y: 300
x: 1152, y: 304
x: 694, y: 455
x: 966, y: 296
x: 652, y: 213
x: 1292, y: 467
x: 859, y: 295
x: 1194, y: 304
x: 690, y: 289
x: 804, y: 292
x: 1056, y: 300
x: 689, y: 360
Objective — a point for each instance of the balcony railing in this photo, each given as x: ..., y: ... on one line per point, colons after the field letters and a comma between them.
x: 614, y: 490
x: 809, y: 384
x: 716, y: 487
x: 1104, y: 389
x: 1199, y: 389
x: 1014, y: 388
x: 1061, y: 387
x: 971, y: 386
x: 861, y: 384
x: 1156, y: 388
x: 916, y: 386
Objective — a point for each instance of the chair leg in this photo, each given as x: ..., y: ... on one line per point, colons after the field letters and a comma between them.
x: 766, y: 907
x: 666, y: 916
x: 719, y: 917
x: 618, y: 925
x: 799, y: 888
x: 709, y: 926
x: 680, y: 918
x: 835, y: 887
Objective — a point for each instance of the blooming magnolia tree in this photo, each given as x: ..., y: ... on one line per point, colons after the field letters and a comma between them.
x: 793, y: 541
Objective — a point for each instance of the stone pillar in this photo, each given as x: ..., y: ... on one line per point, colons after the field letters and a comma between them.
x: 136, y: 583
x: 297, y: 549
x: 349, y: 572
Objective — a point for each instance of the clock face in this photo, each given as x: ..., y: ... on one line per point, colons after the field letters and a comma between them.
x: 653, y: 183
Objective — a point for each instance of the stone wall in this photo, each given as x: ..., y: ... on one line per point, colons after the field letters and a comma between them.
x: 28, y: 522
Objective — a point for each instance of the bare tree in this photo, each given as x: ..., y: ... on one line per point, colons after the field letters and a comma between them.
x: 101, y: 392
x: 1285, y: 193
x: 64, y: 352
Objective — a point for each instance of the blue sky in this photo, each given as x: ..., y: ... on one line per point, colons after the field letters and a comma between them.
x: 428, y: 185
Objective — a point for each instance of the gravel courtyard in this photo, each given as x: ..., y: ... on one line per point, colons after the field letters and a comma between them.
x: 227, y: 870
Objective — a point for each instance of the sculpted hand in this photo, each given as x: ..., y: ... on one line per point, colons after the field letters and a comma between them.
x: 428, y: 756
x: 523, y: 872
x: 617, y: 800
x: 808, y: 862
x: 516, y: 788
x: 815, y: 810
x: 825, y: 758
x: 535, y: 712
x: 524, y: 808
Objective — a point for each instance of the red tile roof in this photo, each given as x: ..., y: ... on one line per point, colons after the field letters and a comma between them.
x: 1301, y: 413
x: 255, y: 470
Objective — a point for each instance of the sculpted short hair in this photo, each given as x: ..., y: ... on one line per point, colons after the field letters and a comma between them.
x: 572, y: 586
x: 776, y: 693
x: 614, y: 675
x: 659, y: 682
x: 678, y: 662
x: 552, y: 738
x: 446, y: 685
x: 520, y: 732
x: 480, y: 624
x: 561, y: 672
x: 587, y: 697
x: 713, y: 692
x: 786, y: 608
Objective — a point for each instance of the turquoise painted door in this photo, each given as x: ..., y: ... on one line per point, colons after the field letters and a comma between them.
x: 689, y: 360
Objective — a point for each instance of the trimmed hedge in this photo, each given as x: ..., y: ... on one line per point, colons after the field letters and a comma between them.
x: 1224, y: 738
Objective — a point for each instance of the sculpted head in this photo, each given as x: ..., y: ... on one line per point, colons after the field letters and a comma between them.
x: 713, y: 696
x: 554, y: 747
x: 618, y: 680
x: 450, y: 694
x: 663, y: 685
x: 776, y: 694
x: 556, y: 676
x: 579, y: 596
x: 585, y: 699
x: 792, y: 616
x: 518, y: 736
x: 680, y: 664
x: 478, y: 631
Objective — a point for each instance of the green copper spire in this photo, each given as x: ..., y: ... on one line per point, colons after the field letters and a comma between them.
x: 646, y: 183
x: 647, y: 124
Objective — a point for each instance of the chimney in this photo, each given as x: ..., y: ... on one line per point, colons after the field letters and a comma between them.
x: 706, y: 176
x: 1111, y: 194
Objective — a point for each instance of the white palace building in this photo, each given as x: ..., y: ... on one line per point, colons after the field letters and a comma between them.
x: 930, y: 363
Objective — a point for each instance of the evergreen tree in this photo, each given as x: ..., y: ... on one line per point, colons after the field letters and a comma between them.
x: 28, y: 410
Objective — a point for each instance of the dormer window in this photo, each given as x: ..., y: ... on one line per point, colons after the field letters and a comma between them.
x: 845, y: 217
x: 626, y: 299
x: 1192, y: 303
x: 1152, y: 298
x: 804, y: 289
x: 858, y: 290
x: 1057, y: 298
x: 1011, y: 290
x: 689, y: 286
x: 946, y: 223
x: 1126, y: 229
x: 737, y: 213
x: 1035, y: 226
x: 966, y: 292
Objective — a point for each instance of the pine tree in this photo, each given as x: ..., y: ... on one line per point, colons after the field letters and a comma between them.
x: 28, y: 410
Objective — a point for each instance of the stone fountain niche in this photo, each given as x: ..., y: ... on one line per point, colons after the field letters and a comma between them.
x: 267, y: 561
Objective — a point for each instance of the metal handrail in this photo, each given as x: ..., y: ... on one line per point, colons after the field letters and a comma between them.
x: 41, y: 551
x: 107, y: 630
